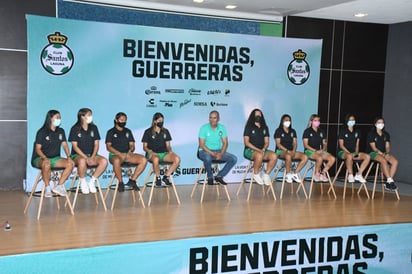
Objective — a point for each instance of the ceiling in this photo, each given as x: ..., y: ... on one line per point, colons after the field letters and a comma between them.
x: 379, y: 11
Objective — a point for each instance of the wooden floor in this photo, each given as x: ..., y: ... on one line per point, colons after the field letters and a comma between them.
x: 128, y: 222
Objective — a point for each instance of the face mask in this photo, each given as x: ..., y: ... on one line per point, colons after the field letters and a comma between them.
x: 121, y: 124
x: 380, y: 125
x: 286, y: 123
x: 159, y: 124
x: 89, y: 119
x: 351, y: 123
x: 258, y: 119
x: 315, y: 123
x: 57, y: 122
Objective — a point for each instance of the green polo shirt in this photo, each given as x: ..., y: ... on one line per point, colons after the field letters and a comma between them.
x: 213, y: 137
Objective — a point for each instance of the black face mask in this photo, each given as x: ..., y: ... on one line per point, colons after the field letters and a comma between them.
x: 121, y: 124
x: 159, y: 124
x: 258, y: 119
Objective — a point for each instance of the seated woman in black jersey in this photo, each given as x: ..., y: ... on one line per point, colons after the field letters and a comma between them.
x: 120, y: 143
x: 316, y: 145
x: 379, y: 148
x: 256, y: 138
x: 348, y: 140
x: 46, y: 152
x: 286, y: 145
x: 156, y: 143
x: 85, y: 138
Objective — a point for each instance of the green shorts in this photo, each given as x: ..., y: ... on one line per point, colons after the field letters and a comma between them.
x: 111, y: 155
x: 161, y: 155
x: 74, y: 156
x: 341, y: 152
x: 248, y: 152
x: 53, y: 161
x: 373, y: 155
x: 279, y: 152
x: 310, y: 152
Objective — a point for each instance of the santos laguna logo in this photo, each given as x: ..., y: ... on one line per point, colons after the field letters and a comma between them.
x: 298, y: 69
x: 56, y: 57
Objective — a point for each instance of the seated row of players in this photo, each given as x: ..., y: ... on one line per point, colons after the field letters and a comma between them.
x: 213, y: 144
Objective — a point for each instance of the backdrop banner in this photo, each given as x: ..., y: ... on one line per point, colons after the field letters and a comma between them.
x: 183, y: 74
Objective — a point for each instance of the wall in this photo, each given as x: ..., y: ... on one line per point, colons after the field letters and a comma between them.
x: 352, y: 71
x: 398, y: 96
x: 13, y: 83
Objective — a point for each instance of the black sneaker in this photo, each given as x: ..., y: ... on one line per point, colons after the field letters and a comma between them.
x: 393, y: 186
x: 132, y: 184
x: 210, y: 181
x: 158, y: 181
x: 388, y: 186
x: 220, y: 180
x: 166, y: 180
x: 120, y: 188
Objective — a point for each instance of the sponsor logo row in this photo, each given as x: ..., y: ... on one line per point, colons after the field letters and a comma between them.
x: 153, y: 103
x: 153, y: 90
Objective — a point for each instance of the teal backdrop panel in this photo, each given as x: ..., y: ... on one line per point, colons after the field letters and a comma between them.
x: 183, y: 74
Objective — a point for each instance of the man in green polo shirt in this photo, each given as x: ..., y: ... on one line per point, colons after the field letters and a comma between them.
x: 213, y: 144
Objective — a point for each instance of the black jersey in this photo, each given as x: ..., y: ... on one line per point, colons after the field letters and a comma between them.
x: 379, y: 140
x: 286, y: 138
x: 50, y: 142
x: 256, y: 135
x: 349, y: 138
x: 156, y: 141
x: 84, y: 138
x: 120, y: 139
x: 315, y: 138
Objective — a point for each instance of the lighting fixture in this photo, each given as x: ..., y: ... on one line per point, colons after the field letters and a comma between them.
x: 360, y: 15
x: 231, y: 7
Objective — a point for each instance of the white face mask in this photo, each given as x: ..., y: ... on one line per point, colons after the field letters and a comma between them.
x: 380, y: 126
x: 57, y: 122
x: 286, y: 123
x: 89, y: 119
x: 351, y: 123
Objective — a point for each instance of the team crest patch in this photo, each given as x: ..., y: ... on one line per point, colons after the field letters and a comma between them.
x: 57, y: 58
x: 298, y: 69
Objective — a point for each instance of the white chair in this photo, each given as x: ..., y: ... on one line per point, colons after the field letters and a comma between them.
x: 311, y: 166
x: 281, y: 167
x: 127, y: 169
x: 55, y: 176
x: 345, y: 182
x: 251, y: 180
x: 199, y: 181
x: 378, y: 171
x: 75, y: 185
x: 152, y: 182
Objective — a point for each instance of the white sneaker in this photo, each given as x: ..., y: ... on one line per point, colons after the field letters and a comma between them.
x: 266, y: 179
x: 48, y: 193
x: 351, y: 179
x: 289, y: 178
x: 258, y: 179
x: 92, y: 187
x: 359, y: 178
x: 316, y: 177
x: 323, y: 178
x: 84, y: 187
x: 295, y: 177
x: 60, y: 190
x: 389, y: 180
